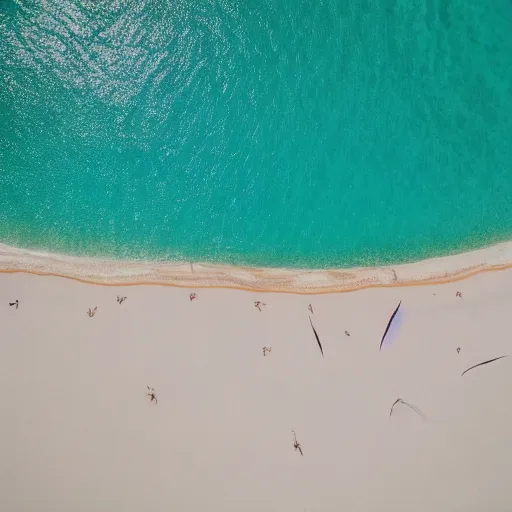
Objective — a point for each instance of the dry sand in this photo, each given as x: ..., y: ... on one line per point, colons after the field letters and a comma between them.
x: 77, y: 431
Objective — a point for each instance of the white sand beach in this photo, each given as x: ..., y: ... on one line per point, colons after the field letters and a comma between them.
x: 305, y: 281
x: 78, y: 432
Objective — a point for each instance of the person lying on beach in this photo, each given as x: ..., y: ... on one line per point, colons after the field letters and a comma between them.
x: 152, y: 395
x: 192, y: 296
x: 120, y: 300
x: 259, y: 305
x: 92, y: 312
x: 347, y: 333
x: 16, y: 303
x: 310, y: 307
x: 296, y: 444
x: 266, y: 349
x: 458, y: 294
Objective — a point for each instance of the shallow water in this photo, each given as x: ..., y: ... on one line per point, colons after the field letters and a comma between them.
x: 298, y: 133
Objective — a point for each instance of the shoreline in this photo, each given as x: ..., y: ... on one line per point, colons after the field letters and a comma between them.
x: 281, y: 280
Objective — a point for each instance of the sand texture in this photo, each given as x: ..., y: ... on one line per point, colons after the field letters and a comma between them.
x: 109, y: 272
x: 78, y: 432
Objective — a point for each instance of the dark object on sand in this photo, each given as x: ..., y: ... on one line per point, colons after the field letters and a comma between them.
x: 347, y: 333
x: 120, y: 300
x: 403, y: 402
x: 480, y: 364
x: 316, y: 336
x: 458, y: 350
x: 296, y: 444
x: 389, y: 324
x: 92, y: 312
x: 310, y: 307
x: 260, y: 305
x: 152, y: 395
x: 15, y: 303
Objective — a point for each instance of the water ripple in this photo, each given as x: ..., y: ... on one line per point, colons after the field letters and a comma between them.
x: 302, y: 133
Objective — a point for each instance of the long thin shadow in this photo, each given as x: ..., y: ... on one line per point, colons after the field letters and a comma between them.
x: 481, y: 364
x: 413, y: 407
x: 389, y: 324
x: 316, y: 336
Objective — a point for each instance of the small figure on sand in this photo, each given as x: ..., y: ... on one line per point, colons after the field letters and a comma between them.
x: 192, y: 296
x: 152, y: 396
x: 15, y: 303
x: 347, y: 333
x: 296, y: 444
x: 120, y: 300
x: 266, y: 350
x: 310, y: 307
x: 92, y: 312
x: 259, y: 305
x: 458, y: 350
x: 458, y: 294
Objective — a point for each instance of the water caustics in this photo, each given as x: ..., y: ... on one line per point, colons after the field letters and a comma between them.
x: 281, y: 133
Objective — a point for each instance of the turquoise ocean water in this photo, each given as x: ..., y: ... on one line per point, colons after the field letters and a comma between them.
x: 274, y: 132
